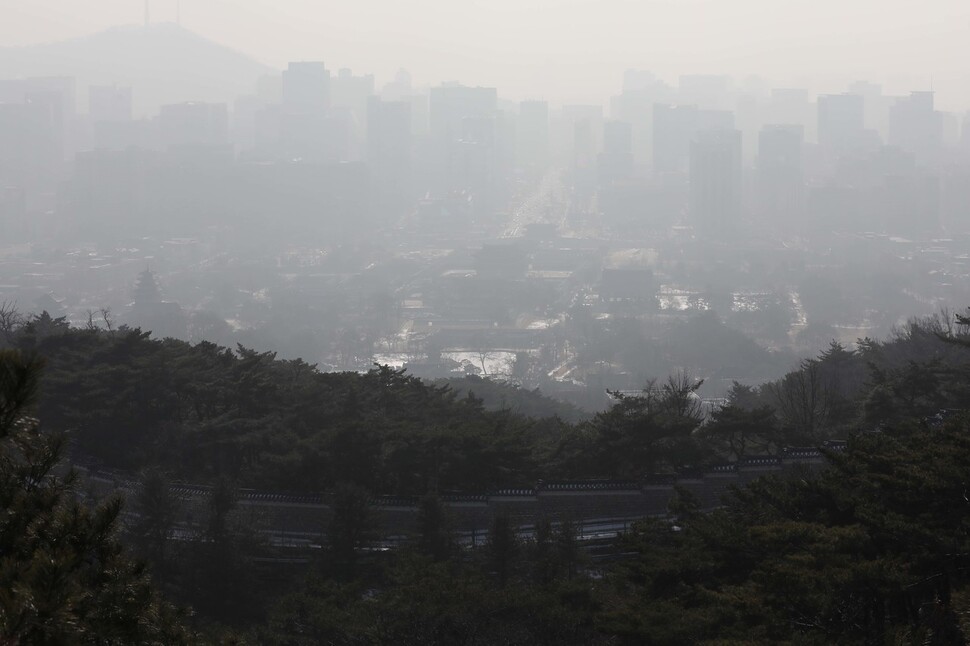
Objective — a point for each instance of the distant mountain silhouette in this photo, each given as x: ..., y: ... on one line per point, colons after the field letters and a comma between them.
x: 164, y: 63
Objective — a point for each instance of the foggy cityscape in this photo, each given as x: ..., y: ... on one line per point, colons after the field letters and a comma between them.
x: 531, y: 321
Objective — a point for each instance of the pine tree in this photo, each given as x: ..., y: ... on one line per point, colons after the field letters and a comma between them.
x: 352, y: 526
x: 502, y: 546
x: 64, y: 577
x: 434, y: 531
x: 156, y: 508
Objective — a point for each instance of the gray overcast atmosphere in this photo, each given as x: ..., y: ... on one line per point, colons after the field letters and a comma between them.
x: 563, y: 50
x: 513, y: 322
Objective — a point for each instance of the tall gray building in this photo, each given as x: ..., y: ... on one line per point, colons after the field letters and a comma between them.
x: 841, y: 121
x: 781, y: 181
x: 461, y: 140
x: 915, y: 126
x: 715, y: 180
x: 673, y: 128
x: 306, y: 87
x: 532, y: 135
x: 389, y: 145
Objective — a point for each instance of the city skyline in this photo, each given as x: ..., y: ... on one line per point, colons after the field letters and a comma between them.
x: 568, y: 53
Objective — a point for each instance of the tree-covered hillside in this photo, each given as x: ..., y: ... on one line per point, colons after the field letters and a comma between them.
x: 203, y: 411
x: 872, y: 549
x: 64, y: 575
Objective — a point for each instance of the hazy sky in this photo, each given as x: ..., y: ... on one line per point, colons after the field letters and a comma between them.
x: 563, y: 50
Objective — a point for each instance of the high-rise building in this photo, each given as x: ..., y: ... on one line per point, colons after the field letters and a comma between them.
x: 876, y: 106
x: 965, y: 134
x: 458, y: 136
x: 748, y: 119
x: 641, y: 90
x: 915, y: 126
x: 841, y: 121
x: 30, y: 149
x: 109, y: 103
x: 52, y: 99
x: 316, y: 137
x: 781, y: 182
x: 13, y: 214
x: 37, y: 118
x: 309, y: 129
x: 450, y: 104
x: 582, y: 129
x: 617, y: 138
x: 351, y: 92
x: 791, y: 105
x: 706, y: 91
x: 306, y: 88
x: 63, y: 87
x: 532, y: 135
x: 473, y: 162
x: 110, y: 116
x: 399, y: 89
x: 616, y: 160
x: 673, y: 128
x: 389, y: 145
x: 638, y: 81
x: 193, y: 123
x: 349, y: 95
x: 715, y: 180
x: 715, y: 120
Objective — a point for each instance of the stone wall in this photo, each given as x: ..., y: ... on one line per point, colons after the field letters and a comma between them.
x: 300, y: 519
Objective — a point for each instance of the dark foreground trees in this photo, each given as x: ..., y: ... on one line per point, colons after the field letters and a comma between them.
x: 64, y: 577
x: 875, y: 549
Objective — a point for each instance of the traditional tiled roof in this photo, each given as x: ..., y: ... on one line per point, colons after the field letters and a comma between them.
x: 759, y: 461
x: 590, y: 485
x: 788, y: 456
x: 519, y: 491
x: 801, y: 453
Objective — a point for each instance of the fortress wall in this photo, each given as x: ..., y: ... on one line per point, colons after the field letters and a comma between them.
x: 306, y: 517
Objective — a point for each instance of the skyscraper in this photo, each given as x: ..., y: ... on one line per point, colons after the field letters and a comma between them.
x: 706, y: 91
x: 308, y: 130
x: 915, y: 126
x: 349, y: 97
x: 306, y: 88
x: 616, y: 160
x: 715, y: 180
x: 641, y: 90
x: 193, y: 123
x: 791, y: 105
x: 876, y: 106
x: 389, y: 145
x: 532, y: 135
x: 450, y: 108
x: 841, y: 121
x: 451, y: 103
x: 673, y: 128
x: 781, y: 179
x: 110, y: 114
x: 582, y: 132
x: 109, y: 103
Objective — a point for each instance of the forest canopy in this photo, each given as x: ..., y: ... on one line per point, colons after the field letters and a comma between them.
x: 872, y: 549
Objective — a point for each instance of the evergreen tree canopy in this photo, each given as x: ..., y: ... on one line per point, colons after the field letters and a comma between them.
x: 64, y: 577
